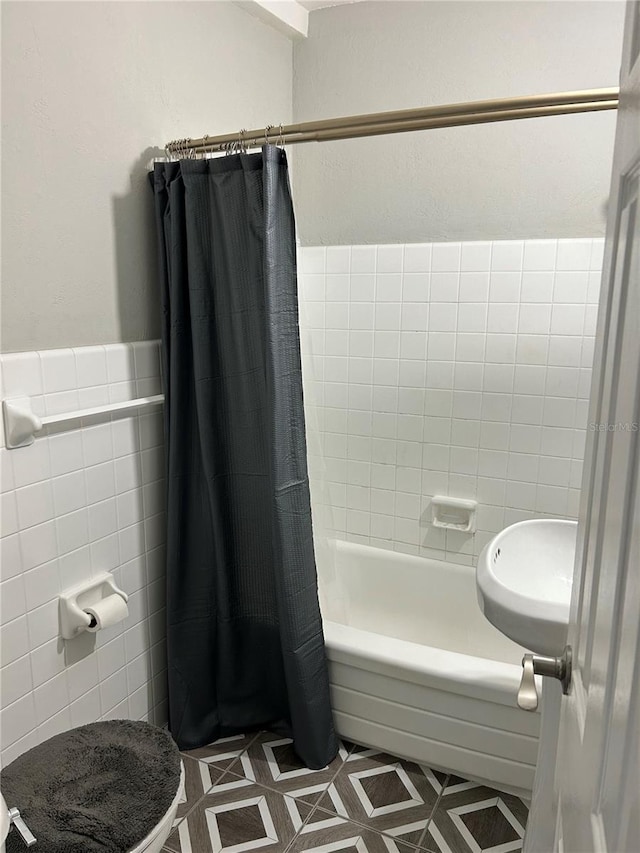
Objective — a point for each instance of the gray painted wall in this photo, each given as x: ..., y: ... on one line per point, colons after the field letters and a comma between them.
x: 87, y: 90
x: 546, y: 177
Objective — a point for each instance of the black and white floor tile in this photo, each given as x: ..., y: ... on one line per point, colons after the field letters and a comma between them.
x: 208, y: 764
x: 270, y: 760
x: 238, y: 819
x: 475, y: 818
x: 253, y: 793
x: 384, y: 793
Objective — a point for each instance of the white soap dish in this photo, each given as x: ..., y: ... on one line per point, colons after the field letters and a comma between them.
x: 454, y: 513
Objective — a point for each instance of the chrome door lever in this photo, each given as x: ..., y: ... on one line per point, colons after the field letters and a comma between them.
x: 533, y: 665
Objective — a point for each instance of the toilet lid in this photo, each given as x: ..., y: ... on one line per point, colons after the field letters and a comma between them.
x: 99, y: 788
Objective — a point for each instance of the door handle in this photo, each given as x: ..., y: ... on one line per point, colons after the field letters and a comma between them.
x: 533, y: 665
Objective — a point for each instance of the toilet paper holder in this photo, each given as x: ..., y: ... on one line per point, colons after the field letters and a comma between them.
x: 72, y: 603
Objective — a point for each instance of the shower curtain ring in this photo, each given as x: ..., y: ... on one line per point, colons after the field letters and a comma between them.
x: 266, y: 133
x: 281, y: 137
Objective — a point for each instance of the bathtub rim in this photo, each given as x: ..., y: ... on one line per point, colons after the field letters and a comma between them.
x: 467, y: 675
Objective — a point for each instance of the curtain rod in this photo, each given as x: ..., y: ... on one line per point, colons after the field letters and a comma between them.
x: 401, y: 121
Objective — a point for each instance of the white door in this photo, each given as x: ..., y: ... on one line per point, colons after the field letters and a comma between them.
x: 596, y: 796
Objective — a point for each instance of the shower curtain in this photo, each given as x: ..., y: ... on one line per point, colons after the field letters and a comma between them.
x: 244, y: 635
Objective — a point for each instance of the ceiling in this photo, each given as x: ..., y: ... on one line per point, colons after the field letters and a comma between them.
x: 312, y: 5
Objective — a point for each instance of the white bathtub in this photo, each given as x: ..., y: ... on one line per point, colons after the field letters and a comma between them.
x: 417, y: 670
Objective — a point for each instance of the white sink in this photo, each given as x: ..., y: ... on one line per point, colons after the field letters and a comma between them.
x: 524, y: 578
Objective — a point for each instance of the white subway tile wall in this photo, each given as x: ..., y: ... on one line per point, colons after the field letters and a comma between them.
x: 81, y: 500
x: 460, y: 369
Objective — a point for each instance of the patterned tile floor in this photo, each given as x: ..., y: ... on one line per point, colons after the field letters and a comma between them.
x: 251, y: 792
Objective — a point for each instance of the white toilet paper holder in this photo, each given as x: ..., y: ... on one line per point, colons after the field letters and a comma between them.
x: 72, y: 602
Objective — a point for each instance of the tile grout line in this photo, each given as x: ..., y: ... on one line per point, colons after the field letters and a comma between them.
x: 372, y: 829
x: 197, y: 802
x: 317, y: 807
x: 423, y: 837
x: 320, y: 795
x: 388, y: 835
x: 217, y: 782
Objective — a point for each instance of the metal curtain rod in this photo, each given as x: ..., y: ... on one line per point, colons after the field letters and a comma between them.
x: 400, y: 121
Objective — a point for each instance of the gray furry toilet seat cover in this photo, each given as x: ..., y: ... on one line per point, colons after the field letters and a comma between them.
x: 99, y: 788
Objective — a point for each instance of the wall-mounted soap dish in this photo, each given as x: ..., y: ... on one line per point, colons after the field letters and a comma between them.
x: 454, y: 513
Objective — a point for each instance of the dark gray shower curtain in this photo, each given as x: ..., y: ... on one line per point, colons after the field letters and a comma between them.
x: 244, y: 635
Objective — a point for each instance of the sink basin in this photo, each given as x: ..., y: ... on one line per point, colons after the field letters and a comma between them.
x: 524, y: 578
